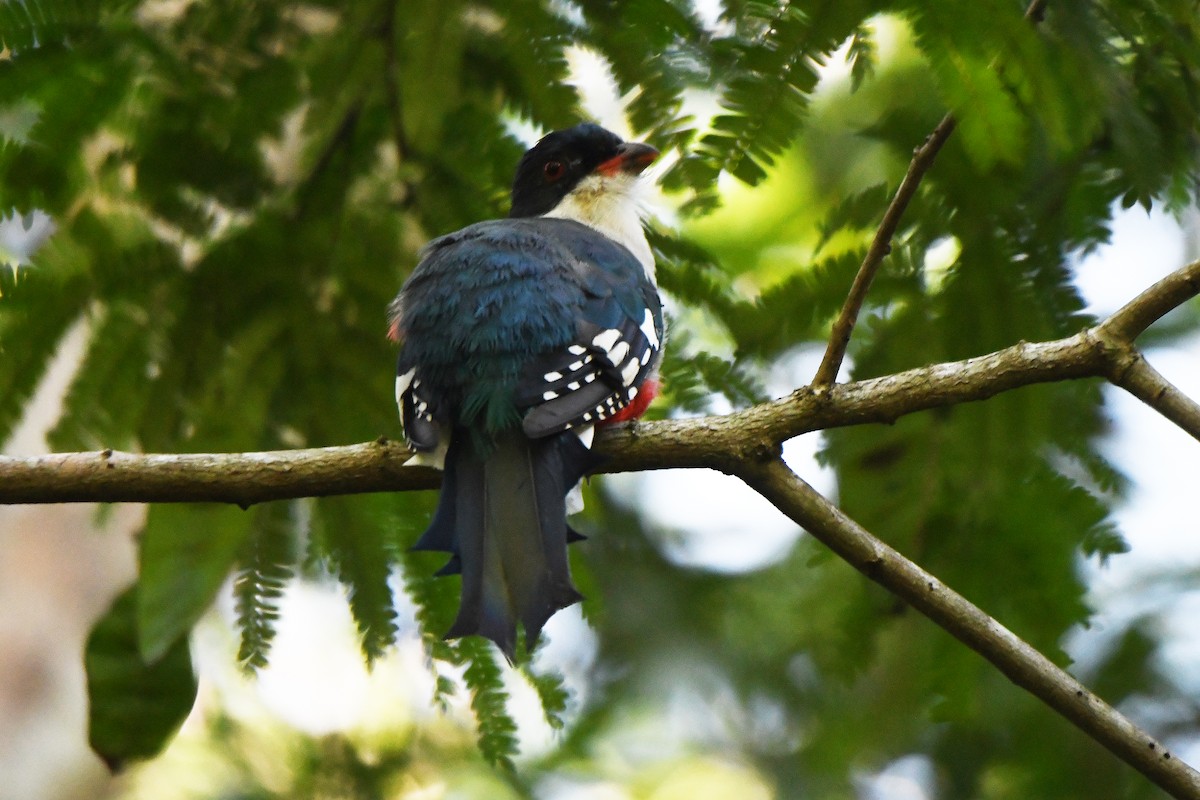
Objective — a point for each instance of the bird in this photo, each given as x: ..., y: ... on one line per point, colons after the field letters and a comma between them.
x: 518, y: 337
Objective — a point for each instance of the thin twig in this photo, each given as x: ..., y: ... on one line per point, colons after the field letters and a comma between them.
x: 1021, y: 663
x: 881, y: 243
x: 341, y: 138
x: 1036, y: 11
x: 392, y: 86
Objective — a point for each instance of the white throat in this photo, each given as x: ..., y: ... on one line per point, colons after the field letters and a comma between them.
x: 610, y: 205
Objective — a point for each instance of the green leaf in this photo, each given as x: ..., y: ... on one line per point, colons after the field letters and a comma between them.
x: 553, y: 695
x: 134, y: 707
x: 859, y: 211
x: 266, y: 568
x: 967, y: 66
x: 989, y: 123
x: 489, y: 701
x: 33, y: 23
x: 862, y: 55
x: 435, y: 599
x: 739, y: 385
x: 116, y: 364
x: 1104, y: 540
x: 361, y: 539
x: 36, y: 310
x: 186, y: 553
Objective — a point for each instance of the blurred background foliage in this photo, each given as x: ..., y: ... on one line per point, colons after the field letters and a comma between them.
x: 237, y: 190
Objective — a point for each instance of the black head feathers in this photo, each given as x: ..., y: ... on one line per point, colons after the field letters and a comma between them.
x: 555, y: 165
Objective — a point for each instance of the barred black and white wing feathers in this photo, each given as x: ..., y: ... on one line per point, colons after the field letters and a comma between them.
x: 416, y: 413
x: 594, y: 378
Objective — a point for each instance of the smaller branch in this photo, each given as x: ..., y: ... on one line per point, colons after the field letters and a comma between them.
x: 340, y: 138
x: 1023, y: 664
x: 1132, y: 319
x: 881, y: 245
x: 1135, y: 375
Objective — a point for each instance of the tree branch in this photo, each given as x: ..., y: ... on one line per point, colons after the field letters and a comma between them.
x: 1021, y: 663
x: 720, y: 442
x: 1148, y: 385
x: 243, y: 479
x: 1133, y: 318
x: 881, y: 243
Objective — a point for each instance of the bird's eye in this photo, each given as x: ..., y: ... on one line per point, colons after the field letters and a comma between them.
x: 553, y: 170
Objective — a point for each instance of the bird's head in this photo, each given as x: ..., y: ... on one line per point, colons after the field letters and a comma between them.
x: 579, y: 173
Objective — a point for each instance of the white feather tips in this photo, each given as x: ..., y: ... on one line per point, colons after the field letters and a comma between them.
x: 606, y: 339
x: 403, y: 382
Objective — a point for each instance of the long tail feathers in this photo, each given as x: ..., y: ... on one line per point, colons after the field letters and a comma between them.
x: 502, y: 517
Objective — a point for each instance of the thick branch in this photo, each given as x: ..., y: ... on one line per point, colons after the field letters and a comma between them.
x: 716, y: 442
x: 240, y: 478
x: 1020, y: 662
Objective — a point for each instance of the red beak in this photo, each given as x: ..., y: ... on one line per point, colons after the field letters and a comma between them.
x: 631, y: 157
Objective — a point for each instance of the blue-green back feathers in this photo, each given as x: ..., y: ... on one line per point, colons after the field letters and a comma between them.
x: 490, y: 300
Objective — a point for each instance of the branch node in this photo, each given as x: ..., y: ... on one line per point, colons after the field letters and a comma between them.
x: 766, y: 450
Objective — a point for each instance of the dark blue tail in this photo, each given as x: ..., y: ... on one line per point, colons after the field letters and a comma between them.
x: 502, y: 516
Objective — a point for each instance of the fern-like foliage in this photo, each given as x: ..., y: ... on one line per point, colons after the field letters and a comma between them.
x: 489, y: 701
x: 361, y: 553
x: 26, y: 24
x: 689, y: 273
x: 771, y: 73
x: 553, y: 696
x: 863, y: 56
x: 656, y: 49
x: 37, y: 314
x: 435, y: 600
x: 784, y: 313
x: 691, y: 377
x: 264, y: 571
